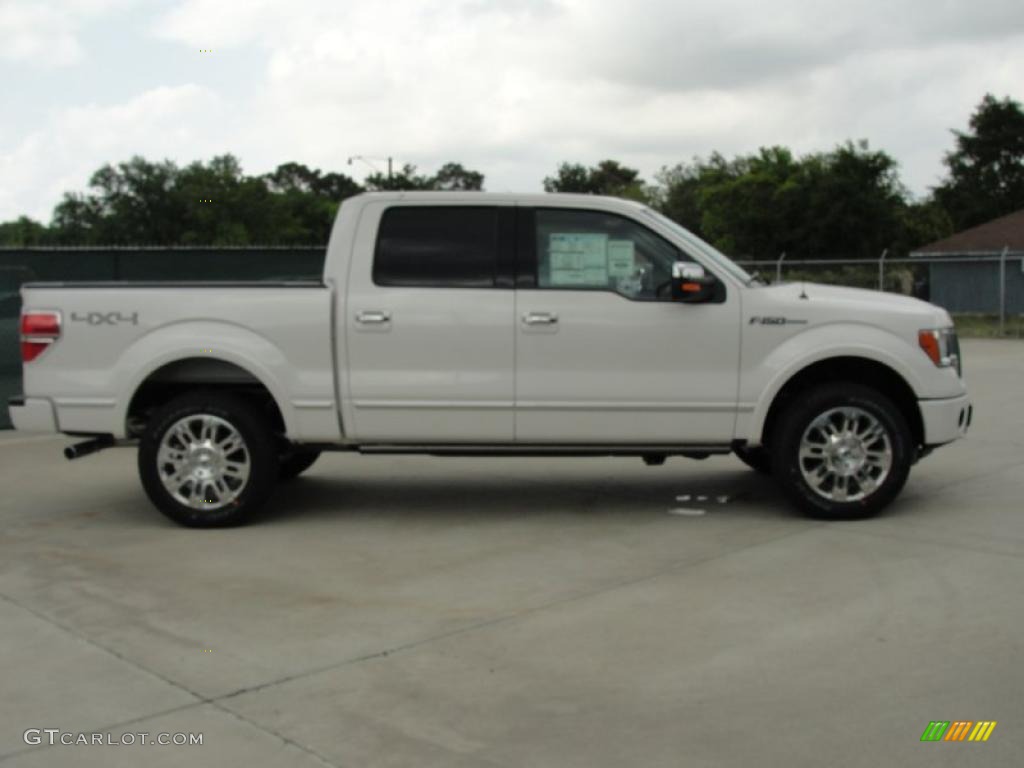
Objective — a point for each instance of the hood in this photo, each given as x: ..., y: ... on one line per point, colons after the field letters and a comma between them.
x: 818, y: 298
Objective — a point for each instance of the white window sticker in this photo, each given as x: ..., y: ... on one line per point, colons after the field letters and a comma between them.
x: 578, y: 258
x: 621, y: 262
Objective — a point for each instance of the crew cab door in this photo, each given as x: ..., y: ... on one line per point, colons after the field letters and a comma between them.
x: 428, y: 324
x: 604, y: 355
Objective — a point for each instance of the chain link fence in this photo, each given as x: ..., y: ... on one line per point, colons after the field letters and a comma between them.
x: 987, y: 284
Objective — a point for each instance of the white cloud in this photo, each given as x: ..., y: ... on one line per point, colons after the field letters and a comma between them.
x: 164, y: 122
x: 520, y: 85
x: 37, y: 34
x: 512, y: 87
x: 44, y: 33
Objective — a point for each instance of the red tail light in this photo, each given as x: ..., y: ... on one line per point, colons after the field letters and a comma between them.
x: 38, y: 331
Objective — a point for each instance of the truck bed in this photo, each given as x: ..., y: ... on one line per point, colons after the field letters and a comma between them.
x: 116, y: 335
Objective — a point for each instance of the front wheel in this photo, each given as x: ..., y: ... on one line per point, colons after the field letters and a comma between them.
x: 842, y: 451
x: 207, y: 459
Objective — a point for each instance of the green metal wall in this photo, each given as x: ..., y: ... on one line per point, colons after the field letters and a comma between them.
x: 22, y: 265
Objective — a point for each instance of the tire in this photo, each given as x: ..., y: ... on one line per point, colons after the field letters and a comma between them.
x: 758, y: 458
x: 861, y: 468
x: 294, y: 464
x: 221, y: 450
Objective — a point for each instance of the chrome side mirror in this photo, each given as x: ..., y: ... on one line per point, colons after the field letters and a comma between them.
x: 691, y: 284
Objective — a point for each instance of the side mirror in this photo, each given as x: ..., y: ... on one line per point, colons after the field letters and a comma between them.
x: 690, y: 284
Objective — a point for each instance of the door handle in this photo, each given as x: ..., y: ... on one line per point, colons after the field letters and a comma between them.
x: 540, y: 318
x: 373, y: 318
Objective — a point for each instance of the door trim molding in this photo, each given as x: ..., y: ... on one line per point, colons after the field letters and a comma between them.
x: 446, y: 405
x: 546, y: 405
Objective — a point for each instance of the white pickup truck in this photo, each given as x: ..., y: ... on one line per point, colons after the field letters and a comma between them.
x: 473, y: 324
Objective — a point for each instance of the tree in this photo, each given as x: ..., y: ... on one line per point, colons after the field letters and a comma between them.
x: 213, y: 203
x: 609, y: 177
x: 677, y: 191
x: 292, y: 177
x: 570, y: 177
x: 24, y: 231
x: 297, y: 178
x: 451, y: 176
x: 986, y: 170
x: 307, y: 201
x: 405, y: 178
x: 847, y: 203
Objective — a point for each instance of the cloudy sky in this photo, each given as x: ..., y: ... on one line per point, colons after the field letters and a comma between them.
x: 509, y: 87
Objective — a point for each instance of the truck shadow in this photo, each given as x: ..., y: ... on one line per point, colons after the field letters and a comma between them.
x: 449, y: 496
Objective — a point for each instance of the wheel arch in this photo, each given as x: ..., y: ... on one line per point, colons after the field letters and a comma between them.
x: 862, y: 370
x: 170, y: 378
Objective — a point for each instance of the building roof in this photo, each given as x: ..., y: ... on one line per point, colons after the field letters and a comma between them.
x: 988, y: 238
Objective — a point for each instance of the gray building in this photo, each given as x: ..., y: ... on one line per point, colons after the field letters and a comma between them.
x: 970, y: 281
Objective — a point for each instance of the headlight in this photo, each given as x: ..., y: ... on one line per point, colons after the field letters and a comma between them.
x: 942, y: 346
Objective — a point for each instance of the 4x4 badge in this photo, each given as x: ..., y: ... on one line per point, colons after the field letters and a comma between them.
x: 105, y: 318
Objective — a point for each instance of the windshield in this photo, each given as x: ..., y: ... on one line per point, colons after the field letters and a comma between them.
x: 705, y: 249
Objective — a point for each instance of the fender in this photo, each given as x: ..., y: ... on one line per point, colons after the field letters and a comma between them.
x: 187, y: 339
x: 767, y: 377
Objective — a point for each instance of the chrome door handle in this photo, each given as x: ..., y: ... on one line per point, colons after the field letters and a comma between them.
x: 373, y: 318
x: 540, y: 318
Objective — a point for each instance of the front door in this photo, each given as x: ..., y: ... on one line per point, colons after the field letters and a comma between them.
x: 428, y: 319
x: 603, y: 355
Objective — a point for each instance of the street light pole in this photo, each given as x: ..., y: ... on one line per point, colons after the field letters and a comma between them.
x: 370, y: 160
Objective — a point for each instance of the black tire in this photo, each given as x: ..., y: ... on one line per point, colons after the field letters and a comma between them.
x: 258, y: 448
x: 757, y: 458
x: 294, y: 464
x: 798, y: 417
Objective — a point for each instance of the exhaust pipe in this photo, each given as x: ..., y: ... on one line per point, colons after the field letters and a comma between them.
x: 78, y: 450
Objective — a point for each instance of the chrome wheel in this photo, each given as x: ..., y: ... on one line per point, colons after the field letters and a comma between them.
x: 845, y: 454
x: 203, y: 461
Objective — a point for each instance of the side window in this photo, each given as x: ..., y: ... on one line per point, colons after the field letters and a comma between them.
x: 591, y: 250
x: 420, y: 246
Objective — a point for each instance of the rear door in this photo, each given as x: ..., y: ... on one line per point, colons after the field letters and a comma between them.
x: 603, y: 353
x: 429, y: 326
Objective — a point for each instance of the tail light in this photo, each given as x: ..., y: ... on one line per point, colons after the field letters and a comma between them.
x: 38, y: 331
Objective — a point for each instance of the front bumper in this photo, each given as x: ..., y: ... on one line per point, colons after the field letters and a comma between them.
x: 945, y: 420
x: 32, y: 414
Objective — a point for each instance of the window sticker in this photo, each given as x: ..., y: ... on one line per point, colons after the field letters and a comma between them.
x: 578, y: 258
x: 621, y: 261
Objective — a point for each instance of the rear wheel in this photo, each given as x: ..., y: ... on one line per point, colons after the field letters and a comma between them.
x: 294, y: 464
x: 206, y: 460
x: 842, y: 451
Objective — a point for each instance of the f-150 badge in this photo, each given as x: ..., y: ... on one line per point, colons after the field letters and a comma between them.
x: 758, y: 320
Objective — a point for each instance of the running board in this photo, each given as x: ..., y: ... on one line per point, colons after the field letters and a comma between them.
x: 693, y: 451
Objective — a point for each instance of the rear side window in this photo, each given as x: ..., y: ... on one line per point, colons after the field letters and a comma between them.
x: 454, y: 247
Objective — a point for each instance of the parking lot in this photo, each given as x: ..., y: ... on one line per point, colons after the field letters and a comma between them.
x: 420, y: 611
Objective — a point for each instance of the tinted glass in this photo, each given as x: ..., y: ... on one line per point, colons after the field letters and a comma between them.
x: 439, y: 247
x: 590, y: 250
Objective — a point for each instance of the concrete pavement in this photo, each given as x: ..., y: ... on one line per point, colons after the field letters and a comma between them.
x: 418, y: 611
